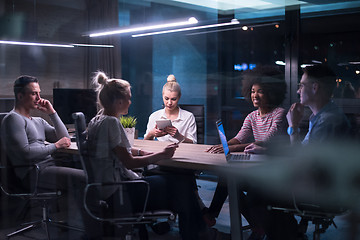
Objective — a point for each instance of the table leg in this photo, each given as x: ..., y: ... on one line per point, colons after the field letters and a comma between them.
x: 235, y: 215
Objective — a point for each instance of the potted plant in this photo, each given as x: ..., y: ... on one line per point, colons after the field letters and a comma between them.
x: 129, y: 123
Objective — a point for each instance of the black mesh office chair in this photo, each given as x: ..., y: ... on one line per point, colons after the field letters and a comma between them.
x: 312, y: 183
x: 321, y: 217
x: 96, y: 207
x: 199, y: 114
x: 13, y: 187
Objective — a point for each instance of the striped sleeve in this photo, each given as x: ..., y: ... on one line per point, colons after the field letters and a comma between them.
x: 246, y: 130
x: 272, y: 125
x: 278, y: 122
x: 261, y: 128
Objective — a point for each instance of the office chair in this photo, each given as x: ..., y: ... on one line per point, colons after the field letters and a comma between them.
x: 12, y: 187
x: 7, y: 186
x: 199, y: 114
x: 322, y: 218
x: 311, y: 184
x: 96, y: 207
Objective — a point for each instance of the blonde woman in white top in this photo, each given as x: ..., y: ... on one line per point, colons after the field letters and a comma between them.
x: 183, y: 122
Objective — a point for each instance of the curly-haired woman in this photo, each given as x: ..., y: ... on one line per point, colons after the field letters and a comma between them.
x: 265, y: 88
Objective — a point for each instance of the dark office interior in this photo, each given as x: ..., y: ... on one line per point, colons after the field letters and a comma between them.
x: 207, y: 62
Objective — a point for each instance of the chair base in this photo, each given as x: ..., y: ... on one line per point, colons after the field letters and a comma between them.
x: 30, y: 226
x: 42, y: 223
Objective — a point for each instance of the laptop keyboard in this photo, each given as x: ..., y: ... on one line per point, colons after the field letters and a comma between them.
x: 239, y: 157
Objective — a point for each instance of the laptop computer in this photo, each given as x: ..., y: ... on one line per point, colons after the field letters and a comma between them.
x: 235, y: 157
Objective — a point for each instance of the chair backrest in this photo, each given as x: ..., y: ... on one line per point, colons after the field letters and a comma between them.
x: 199, y: 114
x: 81, y: 142
x: 8, y: 176
x: 2, y: 152
x: 3, y: 176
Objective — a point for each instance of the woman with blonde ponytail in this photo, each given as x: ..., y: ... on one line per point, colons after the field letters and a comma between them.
x: 112, y: 158
x: 183, y: 122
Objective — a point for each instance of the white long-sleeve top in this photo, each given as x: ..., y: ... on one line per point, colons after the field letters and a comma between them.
x: 185, y: 124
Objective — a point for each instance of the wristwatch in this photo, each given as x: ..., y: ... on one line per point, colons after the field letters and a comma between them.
x: 292, y: 131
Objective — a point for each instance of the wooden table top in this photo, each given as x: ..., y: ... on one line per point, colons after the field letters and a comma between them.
x: 187, y: 156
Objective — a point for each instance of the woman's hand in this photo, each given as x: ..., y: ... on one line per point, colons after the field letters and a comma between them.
x: 63, y: 143
x: 215, y: 149
x: 158, y: 133
x: 45, y: 106
x: 254, y: 149
x: 169, y: 151
x: 174, y: 132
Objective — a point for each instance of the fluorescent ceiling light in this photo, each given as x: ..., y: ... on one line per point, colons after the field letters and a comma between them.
x: 306, y: 65
x: 92, y: 45
x: 316, y: 61
x: 36, y: 44
x: 190, y: 21
x: 234, y: 28
x: 281, y: 63
x: 233, y: 22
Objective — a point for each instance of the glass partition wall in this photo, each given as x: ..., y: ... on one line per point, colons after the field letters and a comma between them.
x: 207, y: 56
x: 207, y: 61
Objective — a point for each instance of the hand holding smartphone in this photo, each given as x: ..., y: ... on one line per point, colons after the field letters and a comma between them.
x: 178, y: 143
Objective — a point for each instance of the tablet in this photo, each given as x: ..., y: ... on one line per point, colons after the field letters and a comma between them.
x: 163, y: 123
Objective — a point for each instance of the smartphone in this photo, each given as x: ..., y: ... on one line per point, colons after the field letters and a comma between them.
x: 181, y: 141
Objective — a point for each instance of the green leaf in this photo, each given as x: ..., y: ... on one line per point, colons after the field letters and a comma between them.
x: 128, y: 121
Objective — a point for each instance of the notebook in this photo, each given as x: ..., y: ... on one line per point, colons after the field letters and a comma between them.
x: 235, y: 157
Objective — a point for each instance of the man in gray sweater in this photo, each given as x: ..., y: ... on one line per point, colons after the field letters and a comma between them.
x: 32, y: 140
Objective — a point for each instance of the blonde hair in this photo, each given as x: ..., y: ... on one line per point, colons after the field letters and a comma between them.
x: 109, y: 90
x: 172, y: 85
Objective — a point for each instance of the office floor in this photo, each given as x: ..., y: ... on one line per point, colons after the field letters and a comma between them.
x: 206, y: 190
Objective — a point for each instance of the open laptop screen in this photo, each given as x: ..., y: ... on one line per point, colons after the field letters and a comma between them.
x: 222, y: 136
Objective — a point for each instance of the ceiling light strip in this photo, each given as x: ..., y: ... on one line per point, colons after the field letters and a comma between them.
x: 91, y: 45
x: 36, y: 44
x: 190, y: 21
x: 233, y: 22
x: 232, y: 29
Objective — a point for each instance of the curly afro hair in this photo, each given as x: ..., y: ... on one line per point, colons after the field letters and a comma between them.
x: 270, y: 79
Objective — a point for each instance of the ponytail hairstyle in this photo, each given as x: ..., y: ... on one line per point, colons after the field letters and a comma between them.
x: 110, y: 90
x: 172, y: 85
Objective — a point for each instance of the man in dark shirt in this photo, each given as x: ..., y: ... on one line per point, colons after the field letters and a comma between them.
x: 327, y: 121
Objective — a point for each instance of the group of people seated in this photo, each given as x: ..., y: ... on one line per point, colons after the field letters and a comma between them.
x: 30, y: 139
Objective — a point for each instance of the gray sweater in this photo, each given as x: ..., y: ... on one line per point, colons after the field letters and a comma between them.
x: 24, y: 139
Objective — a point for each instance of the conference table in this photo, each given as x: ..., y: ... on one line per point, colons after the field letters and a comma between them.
x: 195, y: 157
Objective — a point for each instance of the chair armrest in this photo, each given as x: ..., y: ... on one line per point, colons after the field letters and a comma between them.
x: 309, y: 209
x: 8, y: 175
x: 120, y: 186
